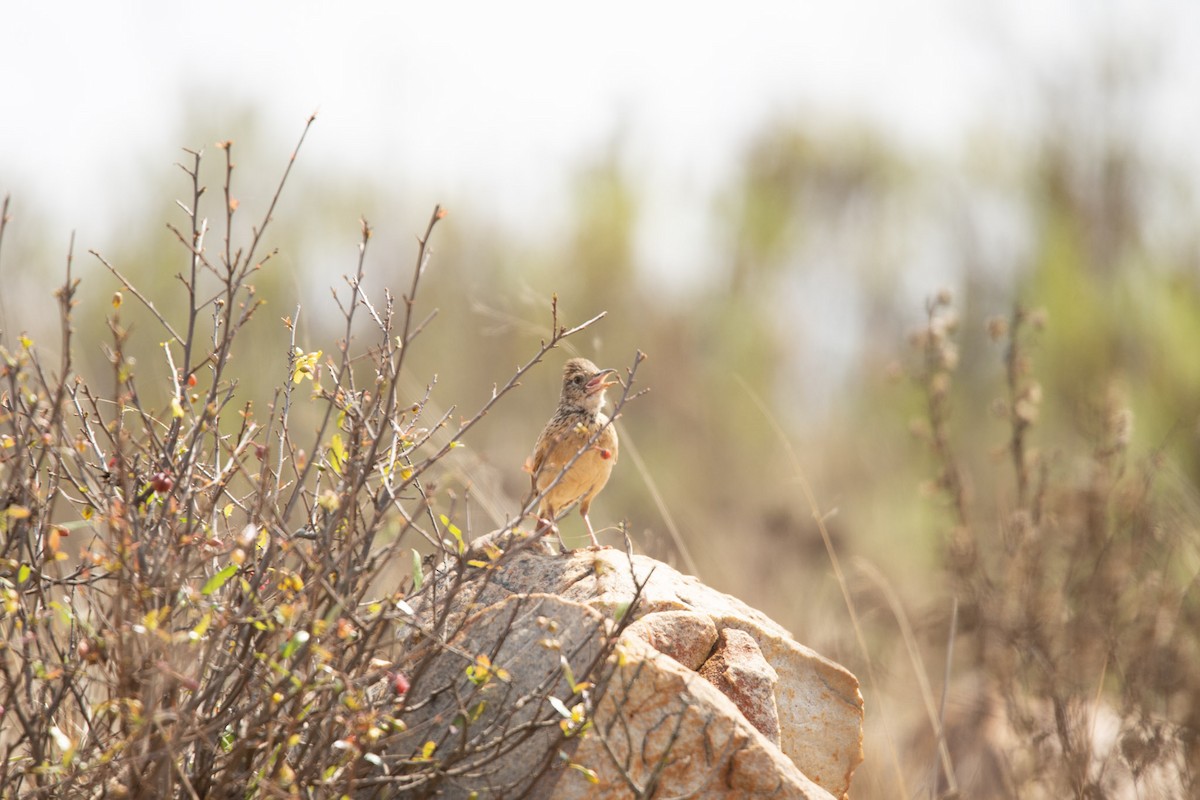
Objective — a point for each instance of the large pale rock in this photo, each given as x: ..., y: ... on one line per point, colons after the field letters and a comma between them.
x: 660, y: 725
x: 703, y: 696
x: 493, y: 726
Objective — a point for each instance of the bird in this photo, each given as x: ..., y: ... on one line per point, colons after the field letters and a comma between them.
x: 576, y: 421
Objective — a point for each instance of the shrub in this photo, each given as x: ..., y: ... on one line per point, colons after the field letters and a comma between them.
x: 200, y: 599
x: 1075, y: 595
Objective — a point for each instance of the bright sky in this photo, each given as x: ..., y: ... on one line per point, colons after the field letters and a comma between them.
x: 491, y: 104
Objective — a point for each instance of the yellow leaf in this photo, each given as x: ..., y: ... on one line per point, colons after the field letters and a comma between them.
x: 87, y: 512
x: 337, y: 453
x: 116, y: 300
x: 17, y: 512
x: 176, y: 408
x: 589, y: 774
x: 305, y: 365
x: 154, y: 618
x: 25, y: 341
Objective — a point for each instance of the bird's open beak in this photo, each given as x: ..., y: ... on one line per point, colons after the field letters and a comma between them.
x: 600, y: 382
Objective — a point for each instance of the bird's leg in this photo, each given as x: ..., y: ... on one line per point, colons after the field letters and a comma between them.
x: 591, y: 533
x: 547, y: 523
x: 583, y: 512
x: 562, y: 546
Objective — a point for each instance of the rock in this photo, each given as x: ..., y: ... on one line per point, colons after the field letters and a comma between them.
x: 697, y: 694
x: 662, y: 725
x: 740, y: 672
x: 493, y: 727
x: 686, y: 636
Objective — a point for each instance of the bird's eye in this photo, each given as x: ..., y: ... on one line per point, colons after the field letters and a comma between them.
x: 579, y: 380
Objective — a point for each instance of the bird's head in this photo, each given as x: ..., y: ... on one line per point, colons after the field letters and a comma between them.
x: 584, y: 384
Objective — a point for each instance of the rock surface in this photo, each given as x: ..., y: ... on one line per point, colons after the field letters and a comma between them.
x: 700, y: 695
x: 737, y: 668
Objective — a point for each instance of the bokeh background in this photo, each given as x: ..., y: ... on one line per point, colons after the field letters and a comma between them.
x: 764, y: 200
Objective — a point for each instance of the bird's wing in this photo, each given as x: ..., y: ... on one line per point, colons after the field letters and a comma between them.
x: 533, y: 464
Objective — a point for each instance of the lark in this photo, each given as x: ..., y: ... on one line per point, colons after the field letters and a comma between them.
x: 575, y: 423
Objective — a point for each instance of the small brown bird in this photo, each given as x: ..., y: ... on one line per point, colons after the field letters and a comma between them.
x: 575, y: 421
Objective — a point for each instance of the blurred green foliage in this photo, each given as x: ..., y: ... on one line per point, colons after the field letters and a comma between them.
x: 812, y: 207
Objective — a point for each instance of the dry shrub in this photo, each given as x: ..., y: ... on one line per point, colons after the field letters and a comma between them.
x: 1076, y: 593
x: 202, y: 600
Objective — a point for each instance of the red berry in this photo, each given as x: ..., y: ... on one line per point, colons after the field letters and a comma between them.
x: 161, y: 482
x: 399, y: 682
x: 191, y: 381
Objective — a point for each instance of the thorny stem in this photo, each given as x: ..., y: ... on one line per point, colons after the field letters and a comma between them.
x: 195, y: 247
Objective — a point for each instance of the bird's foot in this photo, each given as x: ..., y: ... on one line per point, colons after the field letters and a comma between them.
x: 548, y: 525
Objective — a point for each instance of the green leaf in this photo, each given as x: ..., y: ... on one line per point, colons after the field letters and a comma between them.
x: 63, y: 612
x: 218, y: 580
x: 298, y: 640
x: 418, y: 578
x: 569, y: 674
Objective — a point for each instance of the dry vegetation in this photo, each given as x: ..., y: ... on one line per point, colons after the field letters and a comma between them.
x: 1074, y: 599
x: 202, y: 598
